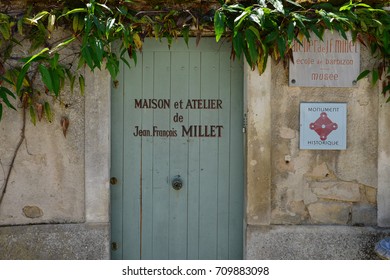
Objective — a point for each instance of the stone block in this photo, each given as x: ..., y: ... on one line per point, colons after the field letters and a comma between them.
x: 343, y: 191
x: 371, y: 194
x: 329, y: 212
x: 364, y: 214
x: 308, y: 196
x: 321, y: 171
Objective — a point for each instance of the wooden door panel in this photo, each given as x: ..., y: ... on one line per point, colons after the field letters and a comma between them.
x: 178, y: 113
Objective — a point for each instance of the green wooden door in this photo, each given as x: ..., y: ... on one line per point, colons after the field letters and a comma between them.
x: 177, y: 116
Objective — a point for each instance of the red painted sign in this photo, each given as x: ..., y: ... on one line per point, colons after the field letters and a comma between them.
x: 323, y: 126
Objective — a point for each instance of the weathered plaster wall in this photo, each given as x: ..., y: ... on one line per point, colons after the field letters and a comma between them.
x: 324, y: 187
x: 313, y: 204
x: 57, y: 202
x: 68, y: 234
x: 47, y: 180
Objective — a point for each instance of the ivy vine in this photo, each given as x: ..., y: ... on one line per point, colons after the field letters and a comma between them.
x: 269, y: 28
x: 257, y: 30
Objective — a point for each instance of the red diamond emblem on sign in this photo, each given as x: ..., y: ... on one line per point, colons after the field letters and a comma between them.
x: 323, y: 126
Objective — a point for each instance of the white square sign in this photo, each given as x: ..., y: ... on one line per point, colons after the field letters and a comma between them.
x: 331, y: 62
x: 323, y: 126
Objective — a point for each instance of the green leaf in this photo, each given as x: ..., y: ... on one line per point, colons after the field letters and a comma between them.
x: 259, y: 13
x: 62, y: 44
x: 346, y: 6
x: 39, y: 16
x: 340, y: 29
x: 186, y: 34
x: 255, y: 31
x: 48, y: 113
x: 281, y: 46
x: 262, y: 61
x: 290, y: 32
x: 109, y: 26
x: 82, y: 84
x: 5, y: 30
x: 278, y: 5
x: 54, y: 61
x: 238, y: 43
x: 75, y: 23
x: 219, y: 25
x: 363, y: 5
x: 46, y: 77
x: 99, y: 25
x: 112, y: 65
x: 36, y: 57
x: 56, y: 82
x: 20, y: 27
x: 21, y: 77
x: 239, y: 20
x: 6, y: 79
x: 271, y: 37
x: 318, y: 33
x: 72, y: 80
x: 74, y: 11
x: 302, y: 27
x: 1, y: 111
x: 50, y: 22
x: 251, y: 43
x: 33, y: 115
x: 98, y: 48
x: 325, y: 19
x: 124, y: 51
x: 363, y: 74
x: 105, y: 7
x: 3, y: 96
x: 87, y: 57
x: 8, y: 92
x: 254, y: 18
x: 375, y: 76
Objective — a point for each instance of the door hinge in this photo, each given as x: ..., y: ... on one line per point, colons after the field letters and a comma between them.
x: 245, y: 123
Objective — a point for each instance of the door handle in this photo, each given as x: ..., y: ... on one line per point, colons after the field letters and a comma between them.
x: 177, y: 182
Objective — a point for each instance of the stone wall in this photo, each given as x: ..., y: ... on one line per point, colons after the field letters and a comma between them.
x: 57, y: 202
x: 313, y: 242
x: 324, y: 186
x: 315, y: 204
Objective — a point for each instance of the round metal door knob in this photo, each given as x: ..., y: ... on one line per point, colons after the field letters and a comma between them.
x: 177, y: 183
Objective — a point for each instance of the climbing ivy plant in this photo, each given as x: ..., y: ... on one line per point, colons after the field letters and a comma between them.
x: 65, y: 36
x: 269, y: 28
x: 257, y: 30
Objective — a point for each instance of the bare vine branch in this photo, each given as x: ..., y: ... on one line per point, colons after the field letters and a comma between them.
x: 20, y: 142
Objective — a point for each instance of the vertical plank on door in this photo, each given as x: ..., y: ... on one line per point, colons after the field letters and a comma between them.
x: 147, y: 149
x: 161, y: 158
x: 208, y: 160
x: 131, y: 164
x: 178, y: 159
x: 193, y: 161
x: 117, y: 94
x: 223, y: 156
